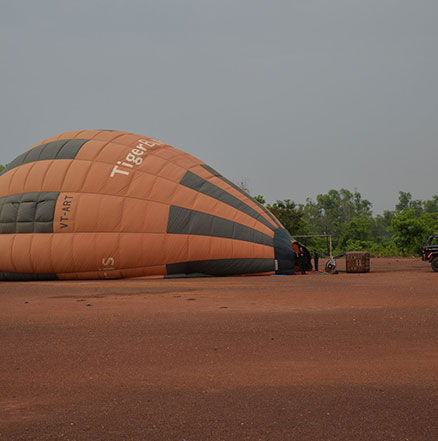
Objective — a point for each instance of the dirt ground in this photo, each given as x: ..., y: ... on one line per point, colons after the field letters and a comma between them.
x: 306, y: 358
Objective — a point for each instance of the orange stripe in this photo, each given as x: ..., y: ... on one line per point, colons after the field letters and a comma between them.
x: 88, y: 252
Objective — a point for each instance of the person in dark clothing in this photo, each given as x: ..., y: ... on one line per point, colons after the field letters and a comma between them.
x: 315, y: 259
x: 302, y: 260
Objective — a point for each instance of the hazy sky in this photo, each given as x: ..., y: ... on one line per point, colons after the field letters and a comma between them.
x: 296, y: 96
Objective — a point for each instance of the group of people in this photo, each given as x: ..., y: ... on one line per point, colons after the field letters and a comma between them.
x: 302, y: 260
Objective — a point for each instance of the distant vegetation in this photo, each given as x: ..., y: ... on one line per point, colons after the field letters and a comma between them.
x: 2, y: 167
x: 349, y: 219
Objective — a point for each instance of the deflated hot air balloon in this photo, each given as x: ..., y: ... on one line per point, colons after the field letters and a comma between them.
x: 101, y: 204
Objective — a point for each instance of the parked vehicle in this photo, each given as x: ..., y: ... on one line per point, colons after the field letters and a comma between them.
x: 430, y: 251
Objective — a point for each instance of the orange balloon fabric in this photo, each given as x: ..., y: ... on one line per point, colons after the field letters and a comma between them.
x: 102, y: 204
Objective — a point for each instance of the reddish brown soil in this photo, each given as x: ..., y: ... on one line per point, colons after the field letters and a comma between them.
x: 306, y: 358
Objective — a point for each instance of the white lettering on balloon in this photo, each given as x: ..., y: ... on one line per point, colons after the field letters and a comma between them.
x: 108, y: 266
x: 134, y: 157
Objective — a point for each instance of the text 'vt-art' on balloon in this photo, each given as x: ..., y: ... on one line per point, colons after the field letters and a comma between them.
x: 101, y: 204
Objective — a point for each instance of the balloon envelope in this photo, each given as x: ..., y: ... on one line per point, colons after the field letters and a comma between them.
x: 101, y: 204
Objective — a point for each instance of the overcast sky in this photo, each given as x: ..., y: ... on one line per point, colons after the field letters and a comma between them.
x: 297, y: 97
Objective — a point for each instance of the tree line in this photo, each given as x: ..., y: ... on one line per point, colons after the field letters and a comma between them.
x: 349, y: 219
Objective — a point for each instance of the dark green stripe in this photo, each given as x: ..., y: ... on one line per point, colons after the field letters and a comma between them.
x: 221, y: 267
x: 27, y: 213
x: 184, y: 221
x: 236, y: 187
x: 63, y: 149
x: 26, y: 277
x: 199, y: 184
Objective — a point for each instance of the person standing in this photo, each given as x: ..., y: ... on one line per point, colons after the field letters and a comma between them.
x: 302, y: 260
x: 316, y: 259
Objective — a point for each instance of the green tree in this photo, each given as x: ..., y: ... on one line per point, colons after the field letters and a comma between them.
x: 290, y: 215
x: 359, y: 229
x: 260, y: 199
x: 381, y: 224
x: 411, y: 231
x: 332, y: 211
x: 431, y: 206
x: 2, y: 167
x: 405, y: 202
